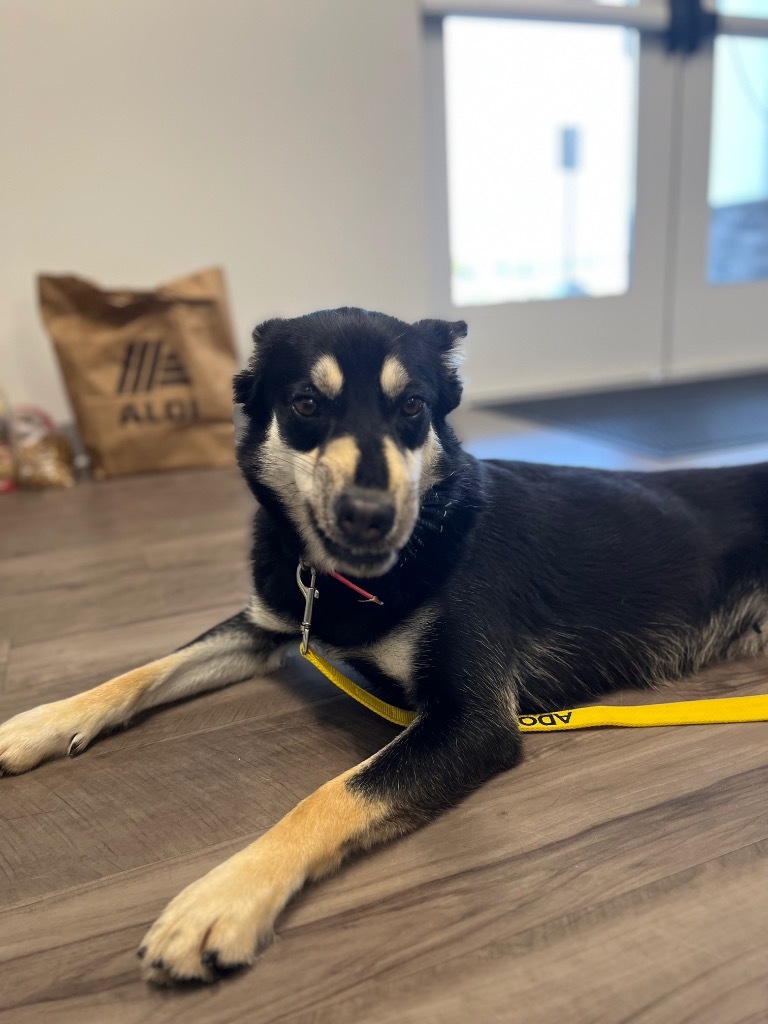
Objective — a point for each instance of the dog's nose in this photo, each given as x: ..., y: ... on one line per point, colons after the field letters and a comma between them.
x: 364, y: 515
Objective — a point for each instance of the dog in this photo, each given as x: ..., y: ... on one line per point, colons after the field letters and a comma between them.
x: 506, y: 589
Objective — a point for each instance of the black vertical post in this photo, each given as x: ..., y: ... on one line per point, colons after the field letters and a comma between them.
x: 690, y: 26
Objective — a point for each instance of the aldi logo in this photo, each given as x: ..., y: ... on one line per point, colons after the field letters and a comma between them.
x: 148, y: 365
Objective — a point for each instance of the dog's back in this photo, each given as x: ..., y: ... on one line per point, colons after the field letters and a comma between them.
x: 616, y: 579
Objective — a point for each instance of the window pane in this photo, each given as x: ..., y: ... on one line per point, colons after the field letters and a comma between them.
x: 541, y: 128
x: 740, y: 8
x: 738, y: 163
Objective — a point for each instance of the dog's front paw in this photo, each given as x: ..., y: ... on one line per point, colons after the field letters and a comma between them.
x: 214, y: 926
x: 50, y: 730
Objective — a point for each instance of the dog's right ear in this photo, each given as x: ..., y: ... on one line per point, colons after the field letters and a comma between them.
x: 246, y: 383
x: 444, y: 337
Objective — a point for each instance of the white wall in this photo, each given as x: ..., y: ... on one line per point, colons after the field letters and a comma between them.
x: 145, y: 138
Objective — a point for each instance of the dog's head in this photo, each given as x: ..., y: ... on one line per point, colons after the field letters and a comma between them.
x: 345, y: 413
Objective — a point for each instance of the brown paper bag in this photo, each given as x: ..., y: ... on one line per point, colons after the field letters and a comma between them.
x: 149, y: 374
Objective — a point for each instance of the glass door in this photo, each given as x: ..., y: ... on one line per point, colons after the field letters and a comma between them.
x: 550, y: 193
x: 719, y: 298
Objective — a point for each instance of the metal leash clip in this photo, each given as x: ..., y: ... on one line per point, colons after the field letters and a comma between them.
x: 310, y: 593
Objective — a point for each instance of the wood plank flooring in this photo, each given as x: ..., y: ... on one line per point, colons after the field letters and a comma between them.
x: 616, y: 876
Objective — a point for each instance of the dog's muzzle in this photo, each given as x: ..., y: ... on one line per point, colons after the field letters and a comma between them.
x: 359, y: 531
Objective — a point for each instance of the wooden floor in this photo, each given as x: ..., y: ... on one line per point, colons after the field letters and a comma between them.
x: 615, y: 876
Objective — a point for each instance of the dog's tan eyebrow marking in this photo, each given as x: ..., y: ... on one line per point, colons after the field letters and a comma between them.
x: 394, y: 377
x: 327, y: 377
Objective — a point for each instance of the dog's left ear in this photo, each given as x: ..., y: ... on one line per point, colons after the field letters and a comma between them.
x: 446, y: 337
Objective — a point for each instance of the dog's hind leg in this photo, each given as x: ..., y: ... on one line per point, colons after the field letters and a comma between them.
x: 231, y: 651
x: 220, y: 922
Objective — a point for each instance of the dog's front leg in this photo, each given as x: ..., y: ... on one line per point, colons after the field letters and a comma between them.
x: 233, y: 650
x: 220, y: 922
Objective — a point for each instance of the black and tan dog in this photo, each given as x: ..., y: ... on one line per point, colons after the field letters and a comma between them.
x: 506, y: 588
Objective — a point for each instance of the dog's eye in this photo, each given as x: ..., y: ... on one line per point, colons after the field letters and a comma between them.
x: 306, y: 405
x: 412, y: 406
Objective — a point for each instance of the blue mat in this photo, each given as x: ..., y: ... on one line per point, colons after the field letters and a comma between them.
x: 667, y: 420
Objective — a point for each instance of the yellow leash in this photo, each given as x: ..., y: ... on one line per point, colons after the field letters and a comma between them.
x: 398, y: 716
x: 684, y: 712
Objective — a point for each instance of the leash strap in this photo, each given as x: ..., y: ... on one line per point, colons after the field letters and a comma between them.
x: 398, y: 716
x: 685, y: 712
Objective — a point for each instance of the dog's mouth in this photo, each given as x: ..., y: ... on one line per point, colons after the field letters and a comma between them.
x: 368, y: 561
